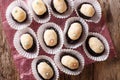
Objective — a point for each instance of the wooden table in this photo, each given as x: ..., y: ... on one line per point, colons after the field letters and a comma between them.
x: 107, y: 70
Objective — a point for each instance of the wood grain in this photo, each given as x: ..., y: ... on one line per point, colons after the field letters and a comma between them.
x: 108, y: 70
x: 7, y: 68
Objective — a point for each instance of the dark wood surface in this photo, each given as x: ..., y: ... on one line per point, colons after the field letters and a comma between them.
x: 107, y: 70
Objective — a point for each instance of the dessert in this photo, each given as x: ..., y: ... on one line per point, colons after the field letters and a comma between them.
x: 70, y: 62
x: 40, y: 8
x: 51, y: 37
x: 95, y: 46
x: 86, y: 10
x: 19, y: 14
x: 60, y: 6
x: 27, y: 42
x: 45, y: 70
x: 74, y: 32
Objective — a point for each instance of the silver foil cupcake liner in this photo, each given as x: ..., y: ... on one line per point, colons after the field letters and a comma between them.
x: 104, y: 55
x: 57, y: 59
x: 83, y: 36
x: 18, y: 46
x: 36, y: 18
x: 97, y: 17
x: 34, y: 70
x: 40, y: 34
x: 13, y: 24
x: 67, y: 13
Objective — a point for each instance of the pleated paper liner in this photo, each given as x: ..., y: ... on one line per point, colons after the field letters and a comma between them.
x: 43, y: 57
x: 98, y: 12
x: 46, y: 17
x: 80, y: 58
x: 13, y: 24
x: 104, y: 55
x: 19, y: 48
x: 85, y: 30
x: 65, y: 14
x: 40, y: 33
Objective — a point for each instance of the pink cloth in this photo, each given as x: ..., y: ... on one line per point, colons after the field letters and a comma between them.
x: 23, y: 65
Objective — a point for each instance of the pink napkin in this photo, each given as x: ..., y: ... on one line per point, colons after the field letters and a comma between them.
x: 23, y: 65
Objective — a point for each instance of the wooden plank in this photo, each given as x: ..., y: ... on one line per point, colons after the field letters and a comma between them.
x: 110, y: 69
x: 7, y: 68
